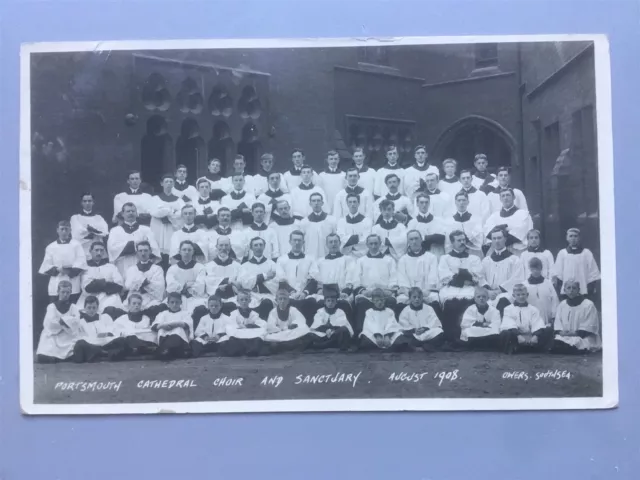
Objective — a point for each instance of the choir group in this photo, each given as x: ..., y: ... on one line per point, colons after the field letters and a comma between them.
x: 394, y: 259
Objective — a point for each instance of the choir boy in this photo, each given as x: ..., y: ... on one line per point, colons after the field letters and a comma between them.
x: 416, y: 173
x: 175, y: 330
x: 420, y: 323
x: 101, y: 280
x: 135, y: 328
x: 522, y: 325
x: 577, y: 323
x: 380, y: 329
x: 482, y: 179
x: 181, y: 188
x: 502, y: 269
x: 283, y: 224
x: 215, y: 178
x: 258, y: 228
x: 272, y: 195
x: 145, y: 280
x: 206, y: 206
x: 365, y: 197
x: 301, y: 195
x: 191, y: 232
x: 468, y: 223
x: 287, y: 328
x: 354, y: 228
x: 480, y: 326
x: 392, y: 233
x: 187, y: 278
x: 418, y: 268
x: 237, y: 237
x: 542, y: 294
x: 316, y: 226
x: 433, y: 229
x: 494, y: 197
x: 166, y: 217
x: 536, y: 250
x: 260, y: 180
x: 478, y: 201
x: 459, y: 273
x: 123, y: 238
x: 64, y: 259
x: 239, y: 202
x: 330, y: 323
x: 99, y: 339
x: 212, y: 328
x: 134, y: 195
x: 332, y: 180
x: 62, y: 327
x: 292, y: 177
x: 403, y: 205
x: 246, y: 330
x: 367, y: 176
x: 257, y: 275
x: 87, y: 226
x: 515, y: 221
x: 380, y: 188
x: 577, y: 263
x: 441, y: 204
x: 450, y: 183
x: 222, y: 275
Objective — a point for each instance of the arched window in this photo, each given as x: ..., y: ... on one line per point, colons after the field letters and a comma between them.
x: 155, y: 95
x: 220, y: 102
x: 156, y: 152
x: 249, y: 104
x: 190, y: 148
x: 189, y: 98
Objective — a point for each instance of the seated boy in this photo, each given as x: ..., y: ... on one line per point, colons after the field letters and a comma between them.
x: 420, y: 323
x: 287, y: 328
x: 380, y: 329
x: 577, y: 325
x: 542, y: 293
x: 480, y: 326
x: 100, y: 339
x: 175, y: 329
x: 330, y: 323
x: 212, y: 328
x: 522, y: 325
x: 135, y: 328
x: 246, y: 330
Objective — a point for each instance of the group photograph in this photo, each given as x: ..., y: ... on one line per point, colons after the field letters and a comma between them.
x: 283, y: 225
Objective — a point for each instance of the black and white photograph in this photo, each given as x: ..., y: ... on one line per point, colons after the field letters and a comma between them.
x: 274, y: 225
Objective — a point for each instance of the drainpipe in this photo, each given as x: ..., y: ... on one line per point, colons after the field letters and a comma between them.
x: 521, y: 93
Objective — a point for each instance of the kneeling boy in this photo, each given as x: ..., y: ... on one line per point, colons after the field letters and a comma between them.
x: 420, y: 323
x: 330, y: 324
x: 380, y: 329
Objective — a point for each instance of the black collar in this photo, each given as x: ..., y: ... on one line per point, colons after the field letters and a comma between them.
x: 535, y: 281
x: 395, y: 196
x: 181, y: 187
x: 422, y: 168
x: 295, y: 256
x: 422, y: 219
x: 220, y: 230
x: 357, y: 190
x: 90, y: 318
x: 255, y: 261
x: 482, y: 310
x: 379, y: 309
x: 337, y: 171
x: 282, y: 221
x: 498, y: 257
x: 575, y: 251
x: 87, y: 214
x: 193, y: 229
x: 483, y: 175
x: 574, y: 302
x: 144, y: 267
x: 413, y: 254
x: 429, y: 192
x: 521, y: 305
x: 213, y: 177
x: 469, y: 190
x: 186, y: 266
x: 357, y: 218
x: 333, y: 256
x: 246, y: 313
x: 462, y: 218
x: 295, y: 172
x: 93, y: 263
x: 456, y: 254
x: 131, y: 192
x: 205, y: 201
x: 507, y: 213
x: 362, y: 169
x: 387, y: 225
x: 392, y: 167
x: 537, y: 249
x: 315, y: 217
x: 378, y: 255
x: 135, y: 317
x: 258, y: 228
x: 130, y: 228
x: 453, y: 179
x: 63, y: 242
x: 416, y: 309
x: 223, y: 263
x: 63, y: 306
x: 302, y: 186
x: 215, y: 316
x: 167, y: 198
x: 273, y: 193
x: 237, y: 195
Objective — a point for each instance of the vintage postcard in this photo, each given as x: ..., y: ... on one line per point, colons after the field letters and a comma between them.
x: 317, y: 225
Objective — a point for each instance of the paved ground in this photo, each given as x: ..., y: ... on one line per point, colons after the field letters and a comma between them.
x: 322, y: 375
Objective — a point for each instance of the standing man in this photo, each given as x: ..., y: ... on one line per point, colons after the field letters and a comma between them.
x: 332, y: 180
x: 440, y: 203
x: 450, y: 183
x: 316, y: 226
x: 515, y: 222
x: 272, y: 196
x: 101, y: 279
x: 468, y: 223
x: 239, y: 202
x: 236, y: 237
x: 206, y: 207
x: 502, y: 269
x: 392, y: 166
x: 291, y: 178
x: 88, y: 227
x: 354, y: 229
x: 181, y: 187
x: 433, y: 229
x: 367, y: 174
x: 259, y: 229
x: 365, y: 197
x: 135, y: 195
x: 482, y: 179
x: 166, y: 211
x: 478, y: 201
x: 260, y: 180
x: 416, y: 173
x: 392, y: 233
x: 283, y: 224
x: 504, y: 180
x: 301, y: 195
x: 191, y: 232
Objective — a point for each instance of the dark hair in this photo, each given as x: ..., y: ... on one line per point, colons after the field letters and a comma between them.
x: 390, y: 176
x: 535, y: 262
x: 461, y: 194
x: 143, y: 243
x: 297, y: 150
x: 175, y: 295
x: 419, y: 147
x: 167, y: 175
x: 94, y: 244
x: 353, y: 195
x: 254, y: 239
x: 91, y: 299
x: 181, y: 166
x: 296, y: 232
x: 330, y: 153
x: 390, y: 148
x: 239, y: 157
x: 257, y: 205
x: 64, y: 223
x: 386, y: 203
x: 465, y: 170
x: 306, y: 167
x: 316, y: 194
x: 133, y: 172
x: 456, y: 233
x: 86, y: 194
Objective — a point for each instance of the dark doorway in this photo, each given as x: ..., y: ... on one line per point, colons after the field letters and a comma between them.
x: 190, y: 149
x: 156, y: 151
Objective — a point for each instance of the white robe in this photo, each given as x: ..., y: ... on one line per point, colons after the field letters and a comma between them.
x: 142, y: 329
x: 187, y: 195
x: 478, y: 204
x: 118, y: 240
x: 278, y: 330
x: 361, y: 228
x: 222, y: 183
x: 198, y: 236
x: 381, y: 322
x: 107, y: 272
x: 282, y: 229
x: 546, y: 257
x: 430, y: 225
x: 167, y: 317
x: 471, y: 227
x: 472, y: 315
x: 339, y: 271
x: 526, y: 320
x: 336, y: 320
x: 400, y: 204
x: 237, y: 328
x: 450, y: 188
x: 80, y: 232
x: 490, y: 180
x: 581, y: 267
x: 420, y: 272
x: 296, y: 272
x: 495, y: 205
x: 544, y: 297
x: 291, y: 181
x: 300, y: 200
x: 380, y: 187
x: 503, y: 274
x: 63, y: 255
x: 518, y: 225
x: 413, y: 175
x: 332, y: 183
x: 205, y: 208
x: 216, y: 271
x: 212, y: 328
x: 426, y: 317
x: 440, y: 206
x: 141, y: 200
x: 341, y: 210
x: 260, y: 184
x: 270, y: 208
x: 170, y: 209
x: 367, y: 178
x: 248, y: 278
x: 99, y: 332
x: 236, y: 237
x: 375, y: 272
x: 581, y: 317
x: 233, y: 203
x: 271, y: 245
x: 397, y: 236
x: 315, y: 235
x: 179, y: 275
x: 448, y: 266
x: 56, y: 340
x: 153, y: 292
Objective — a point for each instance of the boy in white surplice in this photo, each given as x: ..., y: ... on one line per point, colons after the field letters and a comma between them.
x: 330, y: 323
x: 287, y: 328
x: 522, y: 325
x: 187, y: 278
x: 87, y: 226
x: 577, y: 323
x: 166, y: 217
x: 420, y: 323
x: 101, y: 279
x: 175, y: 330
x: 480, y: 326
x: 211, y: 329
x: 380, y: 329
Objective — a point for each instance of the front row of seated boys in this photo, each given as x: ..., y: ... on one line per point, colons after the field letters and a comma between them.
x: 88, y: 336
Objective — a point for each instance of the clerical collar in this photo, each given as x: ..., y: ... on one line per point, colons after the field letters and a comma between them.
x: 388, y: 166
x: 357, y: 218
x: 535, y: 280
x: 237, y: 195
x: 260, y: 228
x: 575, y: 250
x: 135, y: 317
x: 333, y: 256
x: 191, y: 229
x: 204, y: 201
x: 456, y: 254
x: 282, y: 221
x: 186, y: 266
x: 377, y: 255
x: 84, y: 213
x: 482, y: 309
x: 220, y: 230
x: 462, y: 217
x: 357, y: 190
x: 362, y: 168
x: 245, y: 312
x: 90, y: 318
x: 434, y: 192
x: 317, y: 217
x: 501, y: 255
x: 482, y: 175
x: 393, y: 196
x: 574, y: 302
x: 130, y: 227
x: 414, y: 308
x: 507, y: 212
x: 214, y: 177
x: 181, y: 186
x: 63, y: 242
x: 421, y: 168
x: 257, y: 261
x: 93, y: 263
x: 419, y: 253
x: 424, y: 219
x: 306, y: 186
x: 453, y: 179
x: 470, y: 190
x: 500, y: 188
x: 63, y: 306
x: 295, y: 256
x: 273, y: 193
x: 537, y: 249
x: 167, y: 198
x: 295, y: 171
x: 522, y: 305
x: 332, y: 172
x: 387, y: 224
x: 144, y: 267
x: 134, y: 192
x: 223, y: 262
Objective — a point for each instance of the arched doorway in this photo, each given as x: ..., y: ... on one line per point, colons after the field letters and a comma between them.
x: 472, y: 135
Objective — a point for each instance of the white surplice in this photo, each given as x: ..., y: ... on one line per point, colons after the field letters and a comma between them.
x: 282, y: 228
x: 192, y: 276
x: 503, y: 270
x: 341, y: 209
x: 153, y: 292
x: 335, y: 269
x: 125, y: 327
x: 380, y: 187
x: 576, y: 265
x: 219, y: 271
x: 525, y: 319
x: 478, y: 204
x: 63, y: 255
x: 471, y: 226
x: 421, y: 271
x: 300, y: 197
x: 233, y: 201
x: 196, y: 235
x: 252, y: 276
x: 104, y: 271
x: 495, y: 205
x: 269, y: 198
x: 395, y: 233
x: 59, y: 339
x: 490, y: 318
x: 291, y: 179
x: 236, y: 238
x: 450, y: 186
x: 141, y: 200
x: 170, y: 208
x: 545, y: 257
x: 381, y: 322
x: 375, y: 271
x: 426, y: 317
x: 331, y: 183
x: 518, y: 223
x: 237, y: 328
x: 278, y: 330
x: 450, y: 265
x: 414, y: 174
x: 80, y: 224
x: 209, y: 328
x: 168, y: 317
x: 544, y: 297
x: 316, y: 228
x: 119, y: 238
x: 349, y: 226
x: 582, y: 316
x: 296, y: 270
x: 271, y: 245
x: 336, y: 319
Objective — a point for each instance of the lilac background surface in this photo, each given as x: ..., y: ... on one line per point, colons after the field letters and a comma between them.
x: 427, y: 446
